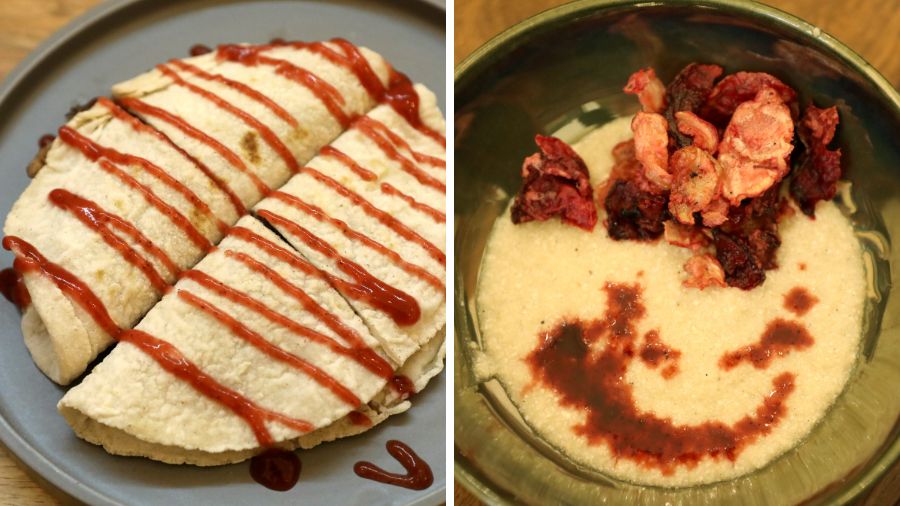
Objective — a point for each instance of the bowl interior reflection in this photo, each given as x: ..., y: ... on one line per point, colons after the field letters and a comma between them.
x: 563, y: 72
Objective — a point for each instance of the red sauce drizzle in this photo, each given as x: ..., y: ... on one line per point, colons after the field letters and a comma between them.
x: 139, y: 126
x: 411, y: 269
x: 274, y: 352
x: 655, y: 352
x: 382, y: 217
x: 13, y: 287
x: 802, y: 266
x: 265, y: 132
x: 364, y: 126
x: 595, y: 383
x: 226, y: 153
x: 400, y: 306
x: 240, y: 88
x: 403, y: 386
x: 386, y: 188
x: 400, y: 93
x: 354, y: 60
x: 151, y: 198
x: 359, y: 351
x: 398, y: 141
x: 94, y: 217
x: 799, y: 301
x: 276, y: 469
x: 437, y: 216
x: 45, y: 140
x: 363, y: 173
x: 330, y: 97
x: 173, y: 361
x: 94, y: 151
x: 357, y: 418
x: 418, y: 475
x: 402, y: 97
x: 779, y: 338
x: 29, y: 259
x: 199, y: 49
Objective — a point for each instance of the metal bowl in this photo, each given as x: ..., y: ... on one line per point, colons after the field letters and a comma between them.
x: 566, y: 68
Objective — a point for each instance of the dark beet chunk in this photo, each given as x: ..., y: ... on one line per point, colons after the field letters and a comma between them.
x: 634, y: 214
x: 46, y: 140
x: 199, y: 49
x: 818, y: 169
x: 751, y: 231
x: 556, y: 183
x: 688, y: 92
x: 764, y: 244
x: 742, y: 269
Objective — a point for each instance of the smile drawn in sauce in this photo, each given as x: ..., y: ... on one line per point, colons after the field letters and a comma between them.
x: 594, y: 381
x: 799, y: 301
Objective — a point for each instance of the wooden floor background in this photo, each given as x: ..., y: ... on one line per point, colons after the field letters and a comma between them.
x: 851, y: 22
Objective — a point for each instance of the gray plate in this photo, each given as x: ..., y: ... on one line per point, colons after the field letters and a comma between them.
x: 117, y: 41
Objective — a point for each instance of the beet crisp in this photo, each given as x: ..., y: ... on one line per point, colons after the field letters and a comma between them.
x: 717, y: 153
x: 705, y: 168
x: 556, y: 183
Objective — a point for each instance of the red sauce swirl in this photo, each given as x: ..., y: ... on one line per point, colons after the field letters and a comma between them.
x: 418, y: 474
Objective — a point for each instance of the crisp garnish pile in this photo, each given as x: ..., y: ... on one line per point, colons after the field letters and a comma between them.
x: 704, y: 169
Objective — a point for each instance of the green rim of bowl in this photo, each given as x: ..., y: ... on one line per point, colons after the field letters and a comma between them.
x: 488, y: 53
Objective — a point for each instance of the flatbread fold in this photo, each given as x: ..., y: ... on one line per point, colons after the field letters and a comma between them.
x: 361, y: 212
x: 265, y: 231
x: 187, y: 186
x: 132, y: 406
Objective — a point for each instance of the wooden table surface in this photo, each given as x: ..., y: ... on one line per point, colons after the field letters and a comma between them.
x: 23, y: 25
x: 850, y: 21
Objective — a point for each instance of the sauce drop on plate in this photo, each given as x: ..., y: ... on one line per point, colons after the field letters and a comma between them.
x: 418, y: 474
x: 276, y: 469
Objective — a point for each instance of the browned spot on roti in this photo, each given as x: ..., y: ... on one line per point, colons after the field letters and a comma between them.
x: 250, y: 146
